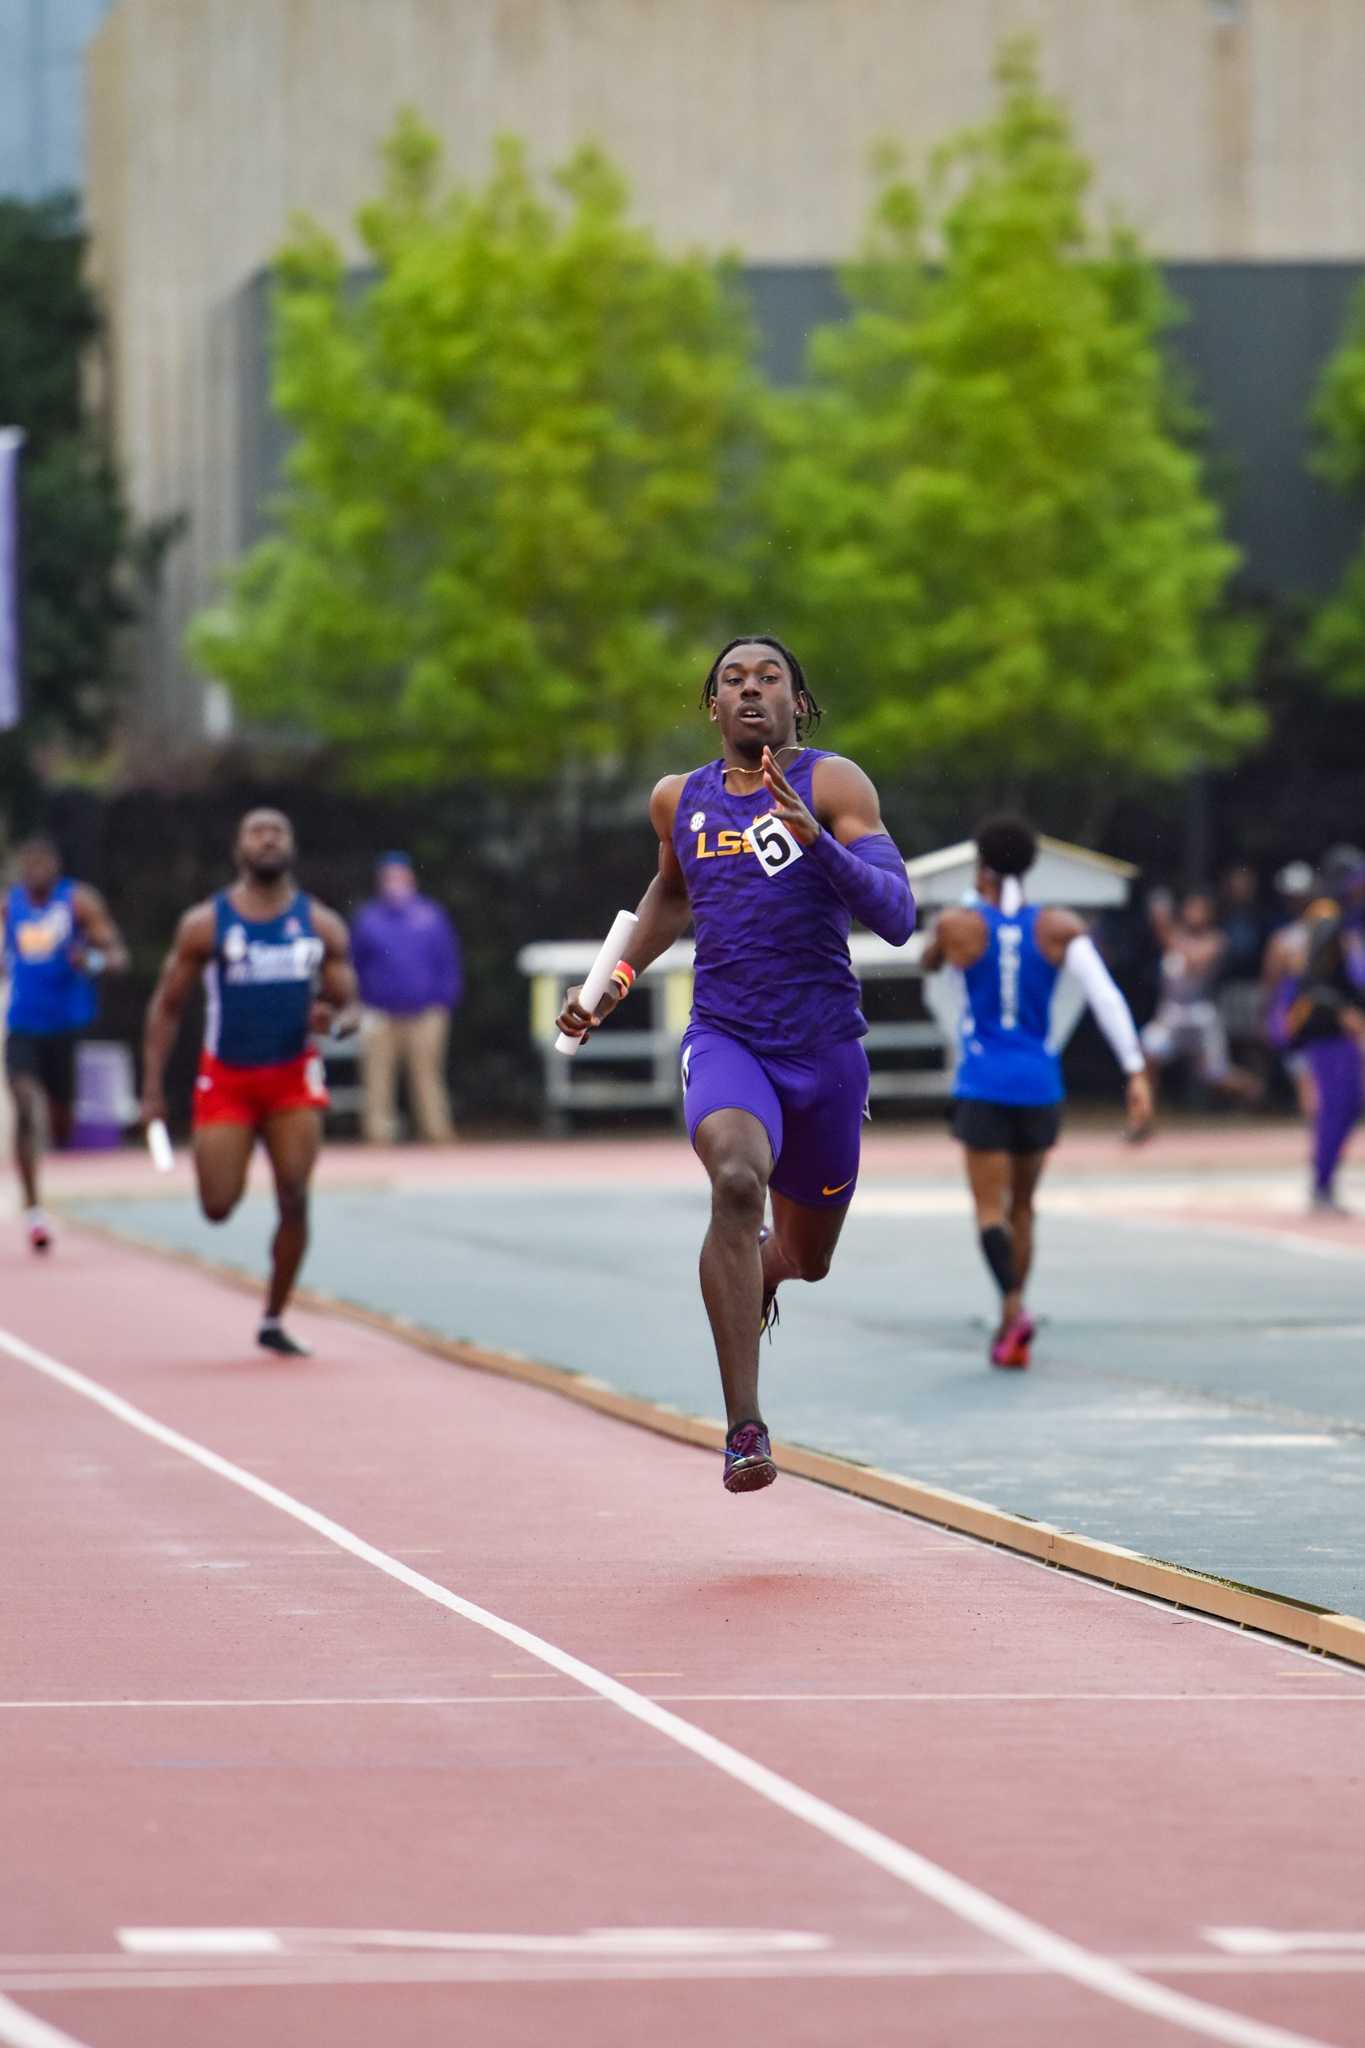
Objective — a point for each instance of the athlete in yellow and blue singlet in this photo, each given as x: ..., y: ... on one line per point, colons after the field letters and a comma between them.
x: 59, y: 939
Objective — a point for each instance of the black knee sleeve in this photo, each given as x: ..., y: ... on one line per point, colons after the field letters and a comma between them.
x: 997, y: 1246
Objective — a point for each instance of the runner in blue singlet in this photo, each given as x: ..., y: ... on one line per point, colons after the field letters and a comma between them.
x: 276, y: 969
x: 59, y: 938
x: 1007, y: 1106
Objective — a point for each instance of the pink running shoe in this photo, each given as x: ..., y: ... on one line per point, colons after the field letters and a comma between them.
x: 748, y: 1459
x: 1011, y: 1347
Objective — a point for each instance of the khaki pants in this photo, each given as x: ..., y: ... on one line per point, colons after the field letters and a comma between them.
x: 420, y: 1043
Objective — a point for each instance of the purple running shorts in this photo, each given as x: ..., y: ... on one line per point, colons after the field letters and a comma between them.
x: 811, y: 1106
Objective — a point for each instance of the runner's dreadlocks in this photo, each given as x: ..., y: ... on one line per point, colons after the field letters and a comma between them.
x: 807, y: 719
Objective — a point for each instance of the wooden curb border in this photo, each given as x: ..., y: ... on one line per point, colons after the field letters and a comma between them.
x: 1249, y: 1607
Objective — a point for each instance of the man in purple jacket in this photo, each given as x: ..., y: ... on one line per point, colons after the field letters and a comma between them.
x: 407, y: 958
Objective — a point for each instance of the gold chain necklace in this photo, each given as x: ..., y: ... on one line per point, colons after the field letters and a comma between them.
x: 793, y: 747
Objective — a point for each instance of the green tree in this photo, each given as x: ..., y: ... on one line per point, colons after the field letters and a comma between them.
x: 1336, y: 642
x: 991, y: 530
x: 515, y: 505
x: 73, y: 534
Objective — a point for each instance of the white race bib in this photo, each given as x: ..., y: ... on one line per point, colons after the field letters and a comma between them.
x: 774, y: 845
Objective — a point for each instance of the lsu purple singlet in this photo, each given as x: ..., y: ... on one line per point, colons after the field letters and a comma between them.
x: 776, y: 1019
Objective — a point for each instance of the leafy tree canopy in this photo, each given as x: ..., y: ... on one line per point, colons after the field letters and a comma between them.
x: 516, y: 505
x: 72, y: 529
x: 992, y: 540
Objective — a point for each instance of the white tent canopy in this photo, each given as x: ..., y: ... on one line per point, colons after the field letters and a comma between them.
x: 1069, y: 875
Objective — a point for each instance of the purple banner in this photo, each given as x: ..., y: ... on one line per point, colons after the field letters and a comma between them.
x: 11, y: 704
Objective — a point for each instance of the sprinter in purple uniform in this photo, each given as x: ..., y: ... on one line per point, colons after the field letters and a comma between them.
x: 771, y: 851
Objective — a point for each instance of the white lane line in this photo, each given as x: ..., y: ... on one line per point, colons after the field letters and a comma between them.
x: 977, y: 1908
x: 1260, y: 1235
x: 486, y: 1699
x: 20, y: 2029
x: 593, y: 1942
x: 767, y: 1699
x: 1269, y: 1440
x: 130, y: 1973
x: 1310, y: 1333
x: 1271, y: 1941
x: 200, y: 1941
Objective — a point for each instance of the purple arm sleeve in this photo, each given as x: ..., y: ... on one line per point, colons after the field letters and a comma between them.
x: 869, y: 878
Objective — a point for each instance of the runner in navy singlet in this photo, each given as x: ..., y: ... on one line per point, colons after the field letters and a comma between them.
x: 59, y: 939
x: 771, y: 851
x: 1007, y: 1107
x: 276, y: 970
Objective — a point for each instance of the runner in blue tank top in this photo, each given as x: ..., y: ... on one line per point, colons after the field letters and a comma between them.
x: 276, y: 969
x: 59, y: 938
x: 772, y: 851
x: 1008, y: 1093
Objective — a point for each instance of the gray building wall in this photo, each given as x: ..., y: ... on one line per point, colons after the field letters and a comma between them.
x: 1227, y: 131
x: 1255, y: 343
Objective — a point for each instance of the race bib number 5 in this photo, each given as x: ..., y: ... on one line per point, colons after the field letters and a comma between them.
x: 774, y: 845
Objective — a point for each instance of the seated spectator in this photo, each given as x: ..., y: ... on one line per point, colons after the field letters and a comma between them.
x: 1187, y: 1023
x: 1242, y: 924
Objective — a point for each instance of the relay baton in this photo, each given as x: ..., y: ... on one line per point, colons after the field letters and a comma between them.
x: 599, y: 974
x: 159, y: 1145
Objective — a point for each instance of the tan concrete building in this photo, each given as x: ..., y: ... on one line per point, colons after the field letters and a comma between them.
x: 1224, y: 129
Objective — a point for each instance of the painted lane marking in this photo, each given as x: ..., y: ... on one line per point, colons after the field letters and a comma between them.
x: 775, y: 1699
x: 1272, y: 1441
x: 1310, y: 1333
x: 1081, y: 1205
x: 200, y: 1941
x: 979, y: 1909
x: 640, y: 1942
x: 1269, y: 1941
x: 20, y: 2029
x: 386, y: 1967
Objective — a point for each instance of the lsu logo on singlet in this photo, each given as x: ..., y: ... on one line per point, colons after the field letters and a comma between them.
x: 726, y: 844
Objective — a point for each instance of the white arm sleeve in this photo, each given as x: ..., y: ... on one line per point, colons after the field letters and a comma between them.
x: 1112, y: 1013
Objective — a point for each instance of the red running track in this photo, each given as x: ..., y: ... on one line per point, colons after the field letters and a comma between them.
x: 823, y: 1773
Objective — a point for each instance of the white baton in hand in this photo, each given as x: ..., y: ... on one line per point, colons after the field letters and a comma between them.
x: 159, y: 1145
x: 599, y: 974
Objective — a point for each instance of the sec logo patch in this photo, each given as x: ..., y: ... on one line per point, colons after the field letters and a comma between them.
x: 698, y: 820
